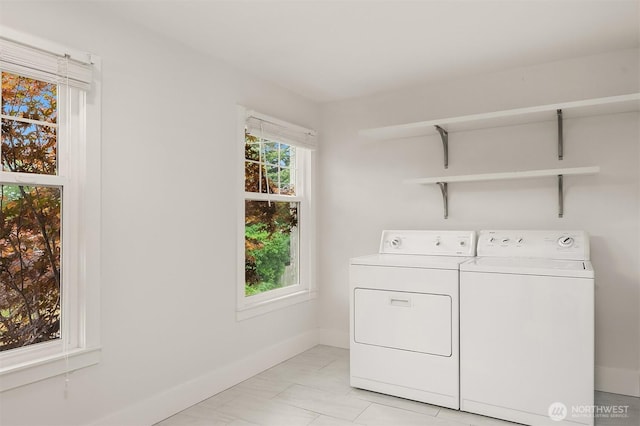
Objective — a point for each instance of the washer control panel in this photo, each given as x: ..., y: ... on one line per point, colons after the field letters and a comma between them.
x: 564, y: 245
x: 429, y: 243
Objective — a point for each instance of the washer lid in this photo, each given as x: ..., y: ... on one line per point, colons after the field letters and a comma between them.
x: 530, y: 266
x: 410, y: 261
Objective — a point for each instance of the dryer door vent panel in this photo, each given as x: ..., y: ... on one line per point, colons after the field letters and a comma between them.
x: 415, y: 322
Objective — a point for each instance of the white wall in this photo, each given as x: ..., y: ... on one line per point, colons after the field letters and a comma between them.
x: 361, y: 191
x: 168, y: 229
x: 168, y: 282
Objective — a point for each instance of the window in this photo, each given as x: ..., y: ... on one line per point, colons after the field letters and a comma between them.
x: 277, y: 221
x: 49, y: 199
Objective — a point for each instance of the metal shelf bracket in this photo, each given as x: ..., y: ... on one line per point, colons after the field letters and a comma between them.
x: 445, y: 197
x: 560, y: 196
x: 444, y: 135
x: 560, y: 135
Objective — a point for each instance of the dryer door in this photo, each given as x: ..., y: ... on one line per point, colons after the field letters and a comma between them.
x: 415, y: 322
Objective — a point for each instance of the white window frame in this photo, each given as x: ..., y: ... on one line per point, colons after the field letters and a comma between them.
x: 251, y: 306
x: 79, y: 175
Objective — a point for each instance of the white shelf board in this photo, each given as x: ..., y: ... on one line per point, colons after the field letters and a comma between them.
x: 512, y: 117
x: 506, y: 176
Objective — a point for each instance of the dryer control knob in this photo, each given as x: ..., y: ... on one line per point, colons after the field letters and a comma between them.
x: 505, y: 240
x: 565, y: 241
x: 491, y: 239
x: 519, y: 240
x: 396, y: 242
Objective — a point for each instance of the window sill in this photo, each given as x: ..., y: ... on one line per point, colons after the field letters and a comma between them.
x: 44, y: 368
x: 263, y: 307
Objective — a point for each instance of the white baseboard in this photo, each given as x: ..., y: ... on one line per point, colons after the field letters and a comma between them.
x: 617, y: 380
x: 337, y: 338
x: 174, y: 400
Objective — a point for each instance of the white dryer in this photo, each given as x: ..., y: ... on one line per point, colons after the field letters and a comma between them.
x: 404, y: 315
x: 527, y: 328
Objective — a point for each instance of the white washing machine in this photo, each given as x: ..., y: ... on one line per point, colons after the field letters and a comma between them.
x: 404, y: 315
x: 527, y: 328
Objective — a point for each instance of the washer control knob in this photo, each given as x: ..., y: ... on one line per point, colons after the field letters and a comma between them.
x: 396, y: 242
x: 565, y: 241
x: 505, y: 240
x: 491, y: 239
x: 519, y: 240
x: 462, y: 243
x: 437, y: 243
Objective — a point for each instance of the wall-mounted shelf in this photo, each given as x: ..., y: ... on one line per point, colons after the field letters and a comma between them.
x: 512, y: 117
x: 443, y: 181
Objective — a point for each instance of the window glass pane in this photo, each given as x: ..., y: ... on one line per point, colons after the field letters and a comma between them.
x: 28, y: 98
x: 286, y: 182
x: 29, y: 136
x: 28, y: 148
x: 291, y: 189
x: 251, y: 148
x: 286, y: 155
x: 271, y: 152
x: 272, y: 178
x: 251, y: 176
x: 271, y: 245
x: 29, y: 265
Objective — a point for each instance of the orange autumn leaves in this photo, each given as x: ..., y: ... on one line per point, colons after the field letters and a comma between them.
x: 29, y: 125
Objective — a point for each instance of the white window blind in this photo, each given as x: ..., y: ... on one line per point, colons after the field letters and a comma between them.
x: 263, y: 126
x: 47, y: 66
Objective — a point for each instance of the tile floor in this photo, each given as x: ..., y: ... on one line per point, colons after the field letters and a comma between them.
x: 313, y: 389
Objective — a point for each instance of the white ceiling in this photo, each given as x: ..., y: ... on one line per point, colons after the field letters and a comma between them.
x: 333, y: 50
